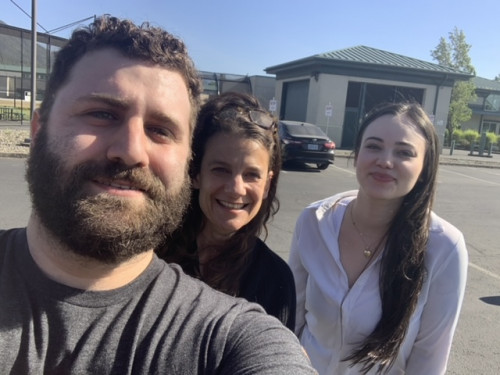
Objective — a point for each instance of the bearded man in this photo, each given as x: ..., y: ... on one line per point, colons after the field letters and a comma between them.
x: 81, y: 290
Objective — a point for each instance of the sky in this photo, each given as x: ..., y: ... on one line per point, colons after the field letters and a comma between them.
x: 246, y: 37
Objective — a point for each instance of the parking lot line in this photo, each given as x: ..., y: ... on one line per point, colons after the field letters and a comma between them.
x: 489, y: 273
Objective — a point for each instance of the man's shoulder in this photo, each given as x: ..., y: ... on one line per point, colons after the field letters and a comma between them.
x: 4, y: 233
x: 184, y: 291
x: 11, y: 237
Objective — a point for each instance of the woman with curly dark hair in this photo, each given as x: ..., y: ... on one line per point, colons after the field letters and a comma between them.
x: 234, y: 171
x: 380, y: 278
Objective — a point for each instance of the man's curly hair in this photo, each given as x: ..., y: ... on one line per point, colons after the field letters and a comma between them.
x: 145, y: 43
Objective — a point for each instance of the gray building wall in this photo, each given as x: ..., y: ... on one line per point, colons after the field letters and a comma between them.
x: 328, y: 89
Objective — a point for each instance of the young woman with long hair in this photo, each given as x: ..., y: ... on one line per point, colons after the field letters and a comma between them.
x: 380, y: 278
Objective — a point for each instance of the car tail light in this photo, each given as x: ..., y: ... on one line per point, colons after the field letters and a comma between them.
x: 330, y: 145
x: 288, y: 141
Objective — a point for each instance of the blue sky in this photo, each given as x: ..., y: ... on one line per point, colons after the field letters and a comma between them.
x: 245, y: 37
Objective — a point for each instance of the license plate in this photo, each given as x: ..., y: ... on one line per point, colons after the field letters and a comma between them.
x: 313, y: 147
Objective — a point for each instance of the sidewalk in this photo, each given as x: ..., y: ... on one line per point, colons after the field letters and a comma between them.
x: 459, y: 157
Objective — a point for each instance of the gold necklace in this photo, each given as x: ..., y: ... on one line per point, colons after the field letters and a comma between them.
x: 369, y: 249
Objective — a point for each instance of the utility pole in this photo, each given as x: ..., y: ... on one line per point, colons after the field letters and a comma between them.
x: 33, y: 57
x: 34, y: 45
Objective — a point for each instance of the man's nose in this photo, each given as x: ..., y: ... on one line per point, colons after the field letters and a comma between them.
x: 129, y: 143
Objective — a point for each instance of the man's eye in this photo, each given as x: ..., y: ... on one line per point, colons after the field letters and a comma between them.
x: 103, y: 115
x: 160, y: 132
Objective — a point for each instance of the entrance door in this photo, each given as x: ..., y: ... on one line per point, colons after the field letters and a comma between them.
x: 294, y: 102
x: 351, y: 123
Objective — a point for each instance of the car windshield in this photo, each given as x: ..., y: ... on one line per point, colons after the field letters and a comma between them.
x: 304, y: 129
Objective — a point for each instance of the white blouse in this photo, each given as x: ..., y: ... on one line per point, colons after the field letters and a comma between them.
x: 332, y: 320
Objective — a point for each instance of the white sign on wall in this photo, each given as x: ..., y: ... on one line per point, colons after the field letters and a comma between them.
x: 328, y: 110
x: 272, y: 105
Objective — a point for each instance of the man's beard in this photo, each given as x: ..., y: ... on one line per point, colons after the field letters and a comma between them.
x: 107, y: 228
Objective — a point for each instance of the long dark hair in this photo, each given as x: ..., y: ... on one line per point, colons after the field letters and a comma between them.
x: 224, y: 271
x: 402, y: 271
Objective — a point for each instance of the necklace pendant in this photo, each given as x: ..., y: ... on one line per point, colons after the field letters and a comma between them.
x: 367, y: 253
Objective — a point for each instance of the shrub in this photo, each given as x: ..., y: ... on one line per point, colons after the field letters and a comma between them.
x: 492, y: 138
x: 470, y: 136
x: 457, y: 135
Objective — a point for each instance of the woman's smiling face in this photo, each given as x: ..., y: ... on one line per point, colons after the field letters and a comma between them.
x: 233, y: 181
x: 390, y: 158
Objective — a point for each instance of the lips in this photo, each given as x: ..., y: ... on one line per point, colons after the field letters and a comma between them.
x: 118, y: 184
x: 382, y: 177
x: 232, y: 206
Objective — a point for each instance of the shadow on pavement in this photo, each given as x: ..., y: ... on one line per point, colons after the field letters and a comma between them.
x: 493, y: 300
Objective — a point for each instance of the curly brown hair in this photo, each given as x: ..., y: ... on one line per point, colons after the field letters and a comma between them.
x: 145, y: 43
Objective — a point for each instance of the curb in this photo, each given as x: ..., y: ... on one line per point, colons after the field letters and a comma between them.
x: 449, y: 161
x: 442, y: 160
x: 17, y: 155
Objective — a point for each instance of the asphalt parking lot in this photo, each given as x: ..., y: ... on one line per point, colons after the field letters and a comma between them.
x: 467, y: 197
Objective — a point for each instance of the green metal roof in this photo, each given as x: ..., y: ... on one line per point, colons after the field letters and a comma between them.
x: 368, y: 55
x: 486, y: 84
x: 363, y: 57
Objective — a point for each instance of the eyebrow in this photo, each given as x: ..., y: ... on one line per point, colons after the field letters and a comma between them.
x: 223, y: 163
x: 106, y: 99
x: 400, y: 143
x: 123, y: 104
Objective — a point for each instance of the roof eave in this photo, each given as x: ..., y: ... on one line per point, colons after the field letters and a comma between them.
x: 341, y: 67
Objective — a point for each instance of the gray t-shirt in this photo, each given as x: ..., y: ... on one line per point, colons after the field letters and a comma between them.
x: 164, y: 322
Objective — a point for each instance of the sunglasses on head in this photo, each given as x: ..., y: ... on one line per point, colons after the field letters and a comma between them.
x: 256, y: 116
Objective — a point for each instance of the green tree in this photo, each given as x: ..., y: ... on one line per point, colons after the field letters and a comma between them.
x: 454, y: 53
x: 442, y: 53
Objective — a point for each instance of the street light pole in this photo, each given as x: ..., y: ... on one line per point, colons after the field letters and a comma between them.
x: 33, y: 58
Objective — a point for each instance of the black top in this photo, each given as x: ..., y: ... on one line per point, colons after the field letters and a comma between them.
x: 269, y: 282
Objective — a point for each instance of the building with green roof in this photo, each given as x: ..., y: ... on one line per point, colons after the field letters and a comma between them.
x: 336, y: 89
x: 486, y: 107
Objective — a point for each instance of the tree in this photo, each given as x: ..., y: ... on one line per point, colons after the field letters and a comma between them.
x: 497, y: 78
x: 442, y: 53
x: 454, y: 53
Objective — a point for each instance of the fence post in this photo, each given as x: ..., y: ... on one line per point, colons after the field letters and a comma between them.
x: 471, y: 148
x: 452, y: 147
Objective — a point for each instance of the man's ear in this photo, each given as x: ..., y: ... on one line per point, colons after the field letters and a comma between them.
x: 35, y: 125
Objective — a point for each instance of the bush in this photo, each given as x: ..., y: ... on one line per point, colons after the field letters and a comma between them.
x: 458, y: 135
x: 460, y: 140
x: 471, y: 136
x: 492, y: 138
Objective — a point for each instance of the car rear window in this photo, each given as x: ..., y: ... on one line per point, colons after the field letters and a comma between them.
x: 301, y: 130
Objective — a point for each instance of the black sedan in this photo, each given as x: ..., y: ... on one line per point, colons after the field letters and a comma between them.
x: 306, y: 143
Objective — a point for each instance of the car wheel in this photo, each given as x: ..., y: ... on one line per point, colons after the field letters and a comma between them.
x: 322, y: 166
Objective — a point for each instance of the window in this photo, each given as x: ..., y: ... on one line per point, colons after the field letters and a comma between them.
x: 489, y: 126
x: 492, y: 103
